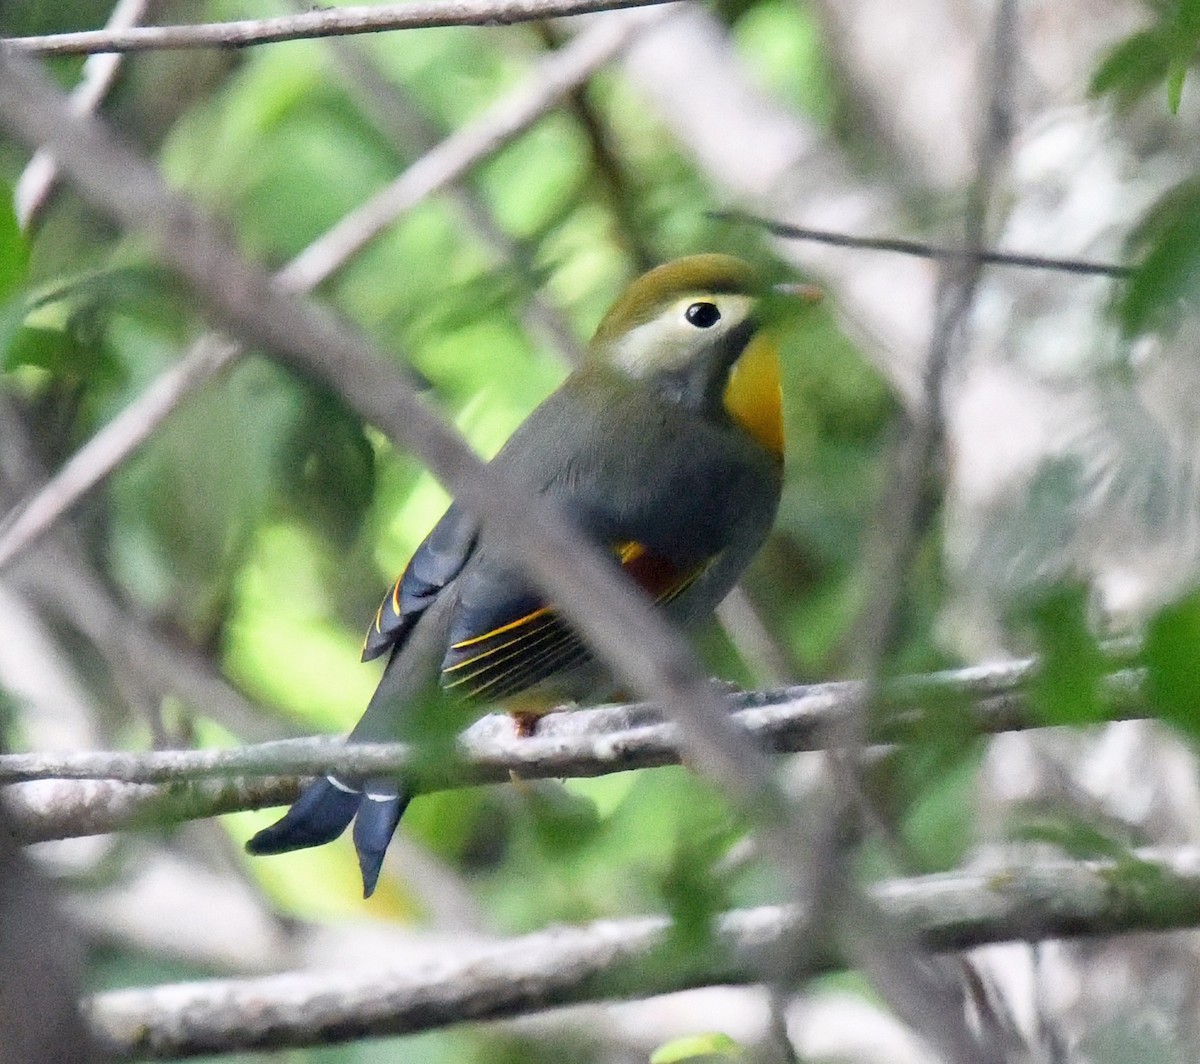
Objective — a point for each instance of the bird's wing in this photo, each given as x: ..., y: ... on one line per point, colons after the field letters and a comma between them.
x: 438, y: 560
x: 504, y: 638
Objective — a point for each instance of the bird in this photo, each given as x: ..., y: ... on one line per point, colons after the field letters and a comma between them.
x: 664, y: 447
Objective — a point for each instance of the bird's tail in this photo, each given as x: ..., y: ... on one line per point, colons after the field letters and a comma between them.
x: 326, y: 806
x: 324, y: 810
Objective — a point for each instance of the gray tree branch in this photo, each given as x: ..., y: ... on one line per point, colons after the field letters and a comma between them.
x: 952, y: 911
x: 326, y: 22
x: 40, y: 177
x: 63, y: 795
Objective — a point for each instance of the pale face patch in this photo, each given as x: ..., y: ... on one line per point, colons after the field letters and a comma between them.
x: 670, y: 340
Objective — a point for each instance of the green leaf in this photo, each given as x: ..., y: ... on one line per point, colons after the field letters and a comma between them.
x: 1175, y: 78
x: 1171, y: 652
x: 1134, y: 66
x: 562, y: 821
x: 1068, y: 831
x: 698, y: 1046
x: 1066, y: 689
x: 14, y: 252
x: 695, y: 889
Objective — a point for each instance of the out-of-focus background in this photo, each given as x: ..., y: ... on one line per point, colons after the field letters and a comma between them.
x: 214, y: 589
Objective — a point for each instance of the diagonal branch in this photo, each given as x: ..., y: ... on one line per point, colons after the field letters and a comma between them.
x: 327, y: 22
x: 39, y: 179
x: 951, y: 911
x: 612, y: 616
x: 433, y: 172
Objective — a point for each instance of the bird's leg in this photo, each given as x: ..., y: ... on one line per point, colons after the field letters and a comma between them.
x: 526, y: 709
x: 525, y: 723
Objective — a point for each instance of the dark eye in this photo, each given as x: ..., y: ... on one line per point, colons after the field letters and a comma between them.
x: 703, y: 315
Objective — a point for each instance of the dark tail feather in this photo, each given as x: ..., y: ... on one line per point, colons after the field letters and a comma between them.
x: 321, y: 813
x: 324, y: 810
x: 383, y: 804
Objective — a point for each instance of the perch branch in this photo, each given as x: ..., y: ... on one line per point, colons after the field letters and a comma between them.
x: 61, y: 795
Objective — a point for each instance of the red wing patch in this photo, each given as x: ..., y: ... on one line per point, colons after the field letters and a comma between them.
x: 521, y: 652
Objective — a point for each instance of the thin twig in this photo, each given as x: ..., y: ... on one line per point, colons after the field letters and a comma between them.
x: 324, y: 257
x: 924, y: 250
x: 40, y: 177
x: 952, y: 911
x: 397, y: 115
x: 326, y: 22
x: 555, y: 77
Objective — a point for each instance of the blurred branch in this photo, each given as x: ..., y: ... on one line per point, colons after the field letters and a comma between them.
x: 928, y: 996
x: 953, y: 911
x: 397, y: 115
x: 580, y: 742
x: 326, y: 22
x: 644, y: 653
x: 39, y: 979
x: 127, y: 431
x: 921, y: 249
x: 433, y: 172
x: 40, y: 177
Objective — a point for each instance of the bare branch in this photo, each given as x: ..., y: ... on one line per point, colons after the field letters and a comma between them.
x: 39, y: 178
x: 69, y: 809
x: 430, y: 174
x: 923, y: 250
x: 578, y: 743
x: 39, y: 980
x: 112, y: 444
x: 611, y: 958
x: 326, y: 22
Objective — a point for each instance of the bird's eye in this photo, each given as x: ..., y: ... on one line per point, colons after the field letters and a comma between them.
x: 703, y: 315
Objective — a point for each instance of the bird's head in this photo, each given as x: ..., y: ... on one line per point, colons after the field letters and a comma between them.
x: 688, y: 330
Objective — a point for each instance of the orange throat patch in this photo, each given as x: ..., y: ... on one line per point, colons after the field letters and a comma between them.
x: 754, y: 396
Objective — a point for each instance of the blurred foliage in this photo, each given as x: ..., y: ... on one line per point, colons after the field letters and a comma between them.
x: 1165, y: 286
x: 263, y: 521
x: 1170, y: 654
x: 1066, y: 689
x: 1162, y: 52
x: 699, y: 1047
x: 1165, y: 246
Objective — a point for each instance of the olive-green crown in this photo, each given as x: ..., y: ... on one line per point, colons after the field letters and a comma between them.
x: 649, y: 294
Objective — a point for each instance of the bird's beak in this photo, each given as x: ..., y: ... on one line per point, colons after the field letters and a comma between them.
x: 806, y: 293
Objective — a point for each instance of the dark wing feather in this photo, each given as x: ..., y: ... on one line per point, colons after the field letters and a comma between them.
x: 504, y: 639
x: 437, y: 561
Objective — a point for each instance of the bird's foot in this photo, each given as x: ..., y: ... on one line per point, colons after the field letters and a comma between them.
x: 525, y: 723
